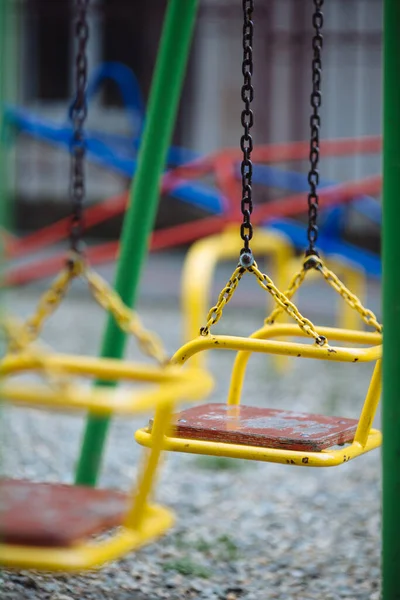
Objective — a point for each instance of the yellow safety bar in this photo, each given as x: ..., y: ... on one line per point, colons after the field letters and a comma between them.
x: 202, y: 259
x: 144, y: 521
x: 365, y: 439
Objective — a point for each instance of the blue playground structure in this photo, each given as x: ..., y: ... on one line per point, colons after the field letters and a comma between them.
x: 118, y: 153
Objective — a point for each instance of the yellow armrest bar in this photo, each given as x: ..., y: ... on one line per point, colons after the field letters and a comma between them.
x: 255, y: 344
x: 104, y: 401
x: 333, y: 353
x: 107, y: 369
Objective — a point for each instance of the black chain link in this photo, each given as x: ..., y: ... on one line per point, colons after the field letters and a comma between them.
x: 78, y: 114
x: 315, y: 124
x: 246, y: 141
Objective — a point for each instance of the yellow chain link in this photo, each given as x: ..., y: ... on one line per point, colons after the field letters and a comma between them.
x: 294, y: 285
x: 215, y: 313
x: 126, y: 319
x: 48, y: 303
x: 267, y: 284
x: 333, y: 280
x: 352, y: 300
x: 14, y: 332
x: 291, y: 309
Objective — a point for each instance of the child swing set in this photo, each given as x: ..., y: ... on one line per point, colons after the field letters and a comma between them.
x: 233, y: 429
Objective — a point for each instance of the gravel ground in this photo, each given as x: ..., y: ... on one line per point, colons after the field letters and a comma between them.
x: 248, y: 531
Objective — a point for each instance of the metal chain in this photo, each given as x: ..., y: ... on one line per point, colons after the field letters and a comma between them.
x: 246, y: 141
x: 48, y: 303
x: 215, y: 313
x: 291, y: 309
x: 78, y: 113
x: 333, y: 280
x: 268, y: 285
x: 16, y: 335
x: 315, y: 124
x: 126, y: 319
x: 294, y: 285
x: 352, y: 300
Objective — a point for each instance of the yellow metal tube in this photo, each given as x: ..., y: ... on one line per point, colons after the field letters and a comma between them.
x: 201, y: 260
x: 253, y: 344
x: 103, y: 368
x: 104, y: 402
x: 370, y: 405
x: 162, y: 422
x: 325, y: 458
x: 268, y: 331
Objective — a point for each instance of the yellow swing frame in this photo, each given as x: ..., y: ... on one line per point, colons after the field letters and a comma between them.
x: 365, y: 439
x: 143, y: 521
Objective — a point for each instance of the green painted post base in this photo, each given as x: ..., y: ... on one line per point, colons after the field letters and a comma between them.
x: 92, y: 450
x: 391, y: 304
x: 139, y: 220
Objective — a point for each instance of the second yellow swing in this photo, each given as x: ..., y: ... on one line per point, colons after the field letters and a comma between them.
x: 240, y: 431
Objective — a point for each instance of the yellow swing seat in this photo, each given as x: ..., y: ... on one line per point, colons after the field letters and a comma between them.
x: 51, y: 526
x: 264, y: 427
x: 235, y: 431
x: 56, y: 515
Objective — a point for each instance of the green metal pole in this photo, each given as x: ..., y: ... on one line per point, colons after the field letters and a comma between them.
x: 7, y: 75
x: 139, y: 220
x: 391, y: 303
x: 2, y: 201
x: 12, y: 78
x: 4, y: 6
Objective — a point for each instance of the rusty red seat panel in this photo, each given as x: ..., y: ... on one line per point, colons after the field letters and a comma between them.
x: 264, y: 427
x: 56, y: 515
